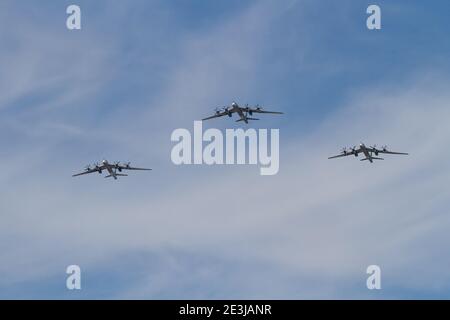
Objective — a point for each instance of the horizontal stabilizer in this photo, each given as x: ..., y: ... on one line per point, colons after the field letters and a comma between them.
x: 371, y: 159
x: 246, y: 119
x: 117, y: 175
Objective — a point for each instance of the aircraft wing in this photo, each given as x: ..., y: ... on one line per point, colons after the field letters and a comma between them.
x: 340, y: 155
x: 89, y: 171
x: 217, y: 115
x: 128, y: 167
x: 256, y: 110
x: 345, y: 154
x: 132, y: 168
x: 392, y: 152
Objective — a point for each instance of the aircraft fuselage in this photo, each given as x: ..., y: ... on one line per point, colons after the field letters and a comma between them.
x: 235, y: 108
x: 110, y: 169
x: 366, y: 152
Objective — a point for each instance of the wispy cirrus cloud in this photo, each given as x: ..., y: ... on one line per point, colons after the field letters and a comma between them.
x: 318, y: 219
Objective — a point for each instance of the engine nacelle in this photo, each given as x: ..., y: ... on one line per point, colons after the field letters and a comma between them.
x: 229, y: 114
x: 356, y: 155
x: 250, y: 113
x: 100, y: 172
x: 120, y: 169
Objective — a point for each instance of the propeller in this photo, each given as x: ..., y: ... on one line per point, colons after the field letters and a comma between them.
x: 127, y: 165
x: 344, y: 150
x: 385, y: 148
x: 258, y: 107
x: 375, y: 150
x: 247, y: 110
x: 97, y: 167
x: 117, y: 166
x: 88, y: 167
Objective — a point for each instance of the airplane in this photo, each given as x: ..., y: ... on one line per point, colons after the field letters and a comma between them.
x: 110, y: 168
x: 367, y: 151
x: 243, y: 112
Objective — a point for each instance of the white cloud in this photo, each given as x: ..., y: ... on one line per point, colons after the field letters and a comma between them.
x: 319, y: 220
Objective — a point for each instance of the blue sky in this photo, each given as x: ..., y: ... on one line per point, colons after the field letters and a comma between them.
x: 140, y: 69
